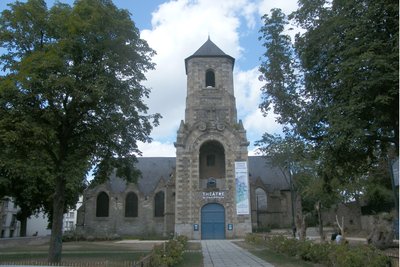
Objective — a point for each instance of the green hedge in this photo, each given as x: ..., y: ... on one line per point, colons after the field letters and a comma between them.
x: 329, y: 254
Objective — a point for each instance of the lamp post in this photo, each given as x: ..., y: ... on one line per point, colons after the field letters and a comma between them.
x: 292, y: 198
x: 257, y: 210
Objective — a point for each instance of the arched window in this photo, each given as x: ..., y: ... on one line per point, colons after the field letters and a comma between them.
x: 159, y: 204
x: 131, y: 205
x: 261, y: 200
x: 261, y: 205
x: 210, y: 78
x: 102, y: 205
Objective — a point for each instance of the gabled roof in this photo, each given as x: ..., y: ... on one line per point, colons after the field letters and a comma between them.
x: 154, y: 169
x: 272, y: 177
x: 209, y: 49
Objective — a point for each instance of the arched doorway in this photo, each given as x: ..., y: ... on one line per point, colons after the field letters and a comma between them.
x: 212, y: 165
x: 213, y: 221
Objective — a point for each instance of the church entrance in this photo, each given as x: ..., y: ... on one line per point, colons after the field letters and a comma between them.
x: 213, y: 221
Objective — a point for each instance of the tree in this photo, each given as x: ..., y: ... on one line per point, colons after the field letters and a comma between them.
x: 279, y: 70
x: 351, y: 76
x: 336, y: 86
x: 71, y: 96
x: 298, y: 163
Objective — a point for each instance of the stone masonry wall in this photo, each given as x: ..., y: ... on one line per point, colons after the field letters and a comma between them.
x: 145, y: 224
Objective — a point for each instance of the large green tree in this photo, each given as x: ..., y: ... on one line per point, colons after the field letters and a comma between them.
x: 336, y: 86
x: 71, y: 97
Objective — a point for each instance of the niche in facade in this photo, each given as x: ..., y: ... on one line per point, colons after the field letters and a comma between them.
x: 212, y: 165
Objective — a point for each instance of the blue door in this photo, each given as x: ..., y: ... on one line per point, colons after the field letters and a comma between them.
x: 213, y: 221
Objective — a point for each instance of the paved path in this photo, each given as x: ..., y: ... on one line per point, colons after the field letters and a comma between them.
x: 223, y: 253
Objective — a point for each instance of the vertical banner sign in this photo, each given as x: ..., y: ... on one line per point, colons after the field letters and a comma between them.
x: 242, y: 188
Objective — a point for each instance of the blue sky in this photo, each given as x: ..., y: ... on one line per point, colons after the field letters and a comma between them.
x: 176, y: 29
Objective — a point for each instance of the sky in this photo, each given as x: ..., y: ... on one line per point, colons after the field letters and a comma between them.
x: 175, y: 30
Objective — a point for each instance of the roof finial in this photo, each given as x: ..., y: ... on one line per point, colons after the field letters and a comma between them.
x: 208, y: 36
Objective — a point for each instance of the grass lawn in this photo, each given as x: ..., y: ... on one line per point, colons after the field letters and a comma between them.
x: 192, y: 259
x: 276, y: 259
x: 107, y: 253
x: 99, y: 254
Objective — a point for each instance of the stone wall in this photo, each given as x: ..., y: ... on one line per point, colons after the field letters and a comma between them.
x: 145, y: 224
x: 278, y: 212
x: 351, y: 213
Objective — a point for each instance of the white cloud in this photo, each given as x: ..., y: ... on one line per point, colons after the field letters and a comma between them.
x: 179, y: 28
x: 287, y: 6
x: 247, y: 90
x: 248, y: 98
x: 256, y: 124
x: 157, y: 149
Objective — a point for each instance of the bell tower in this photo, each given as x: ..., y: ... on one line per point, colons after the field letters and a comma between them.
x: 212, y: 189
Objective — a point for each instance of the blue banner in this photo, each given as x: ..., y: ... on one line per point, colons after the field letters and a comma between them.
x: 242, y: 188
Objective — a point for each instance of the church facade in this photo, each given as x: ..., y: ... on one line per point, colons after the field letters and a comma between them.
x: 211, y: 189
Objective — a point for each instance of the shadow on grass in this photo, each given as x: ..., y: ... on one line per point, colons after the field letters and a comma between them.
x: 191, y: 259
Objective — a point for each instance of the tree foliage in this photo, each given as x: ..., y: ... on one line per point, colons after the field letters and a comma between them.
x: 71, y: 97
x: 336, y: 85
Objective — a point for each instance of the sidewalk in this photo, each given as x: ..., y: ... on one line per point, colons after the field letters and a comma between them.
x: 223, y: 253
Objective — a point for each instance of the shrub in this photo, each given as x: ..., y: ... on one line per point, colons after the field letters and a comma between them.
x: 254, y: 239
x: 358, y: 256
x: 314, y: 252
x: 182, y: 239
x: 283, y: 245
x: 170, y: 253
x: 329, y: 254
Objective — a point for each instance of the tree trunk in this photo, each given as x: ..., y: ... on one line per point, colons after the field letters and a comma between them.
x: 382, y: 234
x: 320, y: 224
x: 300, y: 218
x: 23, y: 216
x: 341, y: 226
x: 55, y: 248
x: 22, y: 231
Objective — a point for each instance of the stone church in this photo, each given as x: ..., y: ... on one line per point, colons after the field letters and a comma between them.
x: 212, y: 189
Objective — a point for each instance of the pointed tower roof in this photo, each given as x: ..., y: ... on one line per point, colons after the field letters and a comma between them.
x: 209, y: 49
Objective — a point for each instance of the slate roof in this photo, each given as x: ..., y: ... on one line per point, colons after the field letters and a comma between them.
x: 209, y: 49
x: 272, y: 177
x: 154, y: 169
